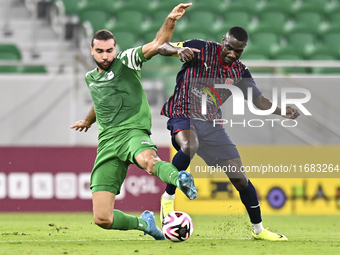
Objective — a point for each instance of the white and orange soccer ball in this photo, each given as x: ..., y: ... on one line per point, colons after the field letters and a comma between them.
x: 177, y: 226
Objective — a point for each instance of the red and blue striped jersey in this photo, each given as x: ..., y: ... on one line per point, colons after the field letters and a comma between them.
x: 199, y: 76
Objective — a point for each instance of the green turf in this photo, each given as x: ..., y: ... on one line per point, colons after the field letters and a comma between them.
x: 50, y: 234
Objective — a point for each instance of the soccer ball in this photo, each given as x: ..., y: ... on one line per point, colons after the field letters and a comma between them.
x: 177, y: 226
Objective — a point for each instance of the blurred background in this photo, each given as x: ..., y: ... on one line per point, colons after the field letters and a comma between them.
x: 45, y: 53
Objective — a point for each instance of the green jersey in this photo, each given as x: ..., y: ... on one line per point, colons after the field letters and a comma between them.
x: 119, y: 100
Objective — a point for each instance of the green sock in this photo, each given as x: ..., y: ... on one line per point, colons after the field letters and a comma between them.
x: 167, y: 172
x: 123, y: 221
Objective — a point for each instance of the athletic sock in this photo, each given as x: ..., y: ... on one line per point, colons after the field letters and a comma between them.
x: 181, y: 161
x: 249, y: 199
x: 257, y: 228
x: 166, y: 196
x: 123, y: 221
x: 167, y: 172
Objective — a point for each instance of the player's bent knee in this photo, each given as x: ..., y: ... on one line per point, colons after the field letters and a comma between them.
x: 189, y: 148
x: 240, y: 184
x: 103, y: 222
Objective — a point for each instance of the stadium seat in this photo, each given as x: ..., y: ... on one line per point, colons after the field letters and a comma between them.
x: 317, y: 6
x: 201, y: 22
x: 254, y: 52
x: 72, y: 6
x: 144, y: 6
x: 311, y: 19
x: 274, y: 19
x: 288, y: 52
x: 265, y: 40
x: 9, y: 52
x: 275, y: 6
x: 126, y: 40
x: 241, y: 6
x: 236, y: 18
x: 215, y: 6
x: 97, y: 18
x: 102, y: 5
x: 303, y: 41
x: 128, y: 21
x: 25, y: 69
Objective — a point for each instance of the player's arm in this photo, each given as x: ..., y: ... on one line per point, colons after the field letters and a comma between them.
x: 164, y: 34
x: 183, y: 53
x: 87, y: 123
x: 264, y: 103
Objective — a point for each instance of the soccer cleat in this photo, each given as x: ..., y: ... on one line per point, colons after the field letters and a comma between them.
x: 167, y: 206
x: 269, y: 236
x: 186, y: 184
x: 152, y: 228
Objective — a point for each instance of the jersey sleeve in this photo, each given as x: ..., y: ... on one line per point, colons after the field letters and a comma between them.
x: 248, y: 82
x: 132, y: 58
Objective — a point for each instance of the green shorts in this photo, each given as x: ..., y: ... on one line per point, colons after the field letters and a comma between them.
x: 113, y: 158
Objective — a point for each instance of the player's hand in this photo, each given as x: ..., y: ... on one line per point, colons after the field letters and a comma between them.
x: 291, y: 113
x: 178, y: 11
x: 81, y: 125
x: 186, y: 54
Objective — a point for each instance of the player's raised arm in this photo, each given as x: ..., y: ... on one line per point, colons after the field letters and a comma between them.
x: 183, y: 53
x: 166, y: 31
x: 87, y: 123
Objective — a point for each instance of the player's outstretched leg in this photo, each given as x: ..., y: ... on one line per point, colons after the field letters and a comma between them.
x: 269, y: 236
x: 152, y: 228
x: 186, y: 184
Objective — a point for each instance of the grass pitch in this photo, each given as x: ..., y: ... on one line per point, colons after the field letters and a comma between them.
x: 75, y: 233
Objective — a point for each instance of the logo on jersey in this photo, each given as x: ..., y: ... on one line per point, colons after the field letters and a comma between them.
x: 110, y: 75
x: 229, y: 81
x: 206, y: 89
x: 145, y: 142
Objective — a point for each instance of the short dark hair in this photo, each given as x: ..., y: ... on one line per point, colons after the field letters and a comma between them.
x: 239, y: 33
x: 103, y: 35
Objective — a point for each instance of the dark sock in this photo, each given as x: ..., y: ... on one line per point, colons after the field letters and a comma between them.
x: 249, y: 199
x: 181, y: 161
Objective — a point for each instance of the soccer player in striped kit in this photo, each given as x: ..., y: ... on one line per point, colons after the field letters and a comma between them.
x: 207, y: 63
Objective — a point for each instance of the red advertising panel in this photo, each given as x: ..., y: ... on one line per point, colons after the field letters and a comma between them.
x: 57, y: 179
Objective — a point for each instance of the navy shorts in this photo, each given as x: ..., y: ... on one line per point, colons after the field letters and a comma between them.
x: 214, y: 142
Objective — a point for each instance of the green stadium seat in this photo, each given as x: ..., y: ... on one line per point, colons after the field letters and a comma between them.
x: 236, y: 18
x: 144, y: 6
x: 128, y: 21
x: 265, y: 40
x: 303, y: 41
x: 72, y: 6
x: 255, y: 52
x: 275, y: 6
x: 167, y: 6
x: 97, y: 18
x: 288, y: 52
x: 126, y: 40
x: 240, y: 6
x: 311, y: 19
x: 9, y: 52
x: 201, y: 22
x: 274, y: 19
x: 317, y: 6
x: 332, y: 43
x: 23, y: 69
x: 215, y: 6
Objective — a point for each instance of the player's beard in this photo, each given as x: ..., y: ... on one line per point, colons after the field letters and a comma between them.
x: 102, y: 66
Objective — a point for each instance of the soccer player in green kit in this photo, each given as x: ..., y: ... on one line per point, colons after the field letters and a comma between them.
x: 123, y: 115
